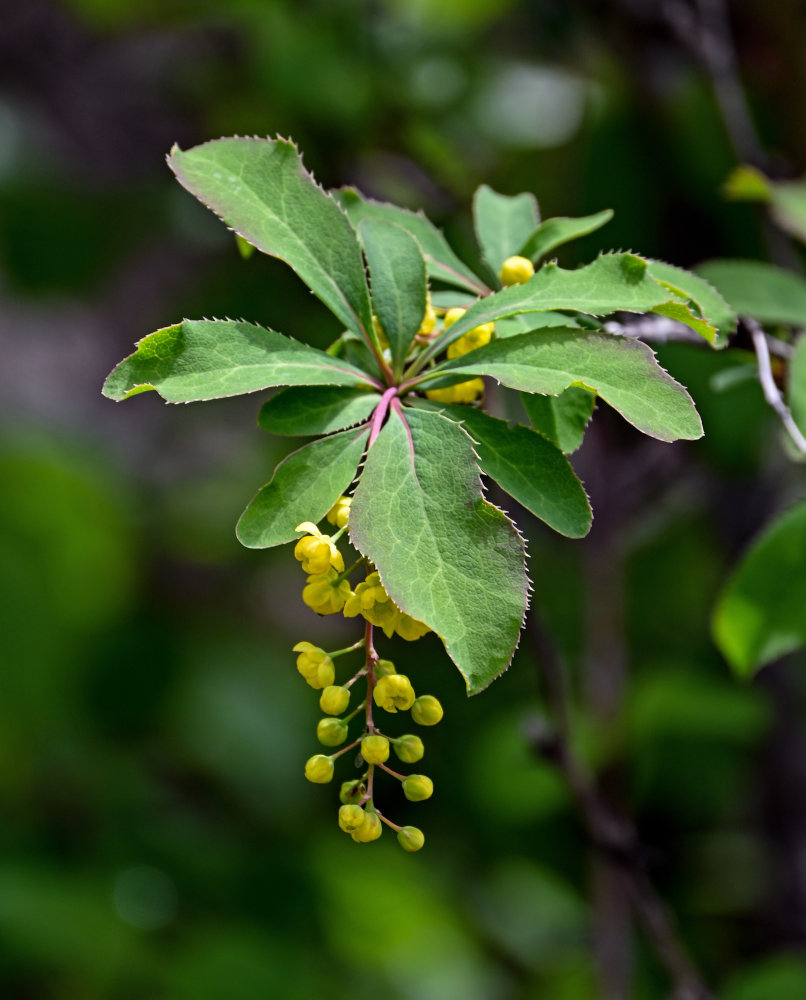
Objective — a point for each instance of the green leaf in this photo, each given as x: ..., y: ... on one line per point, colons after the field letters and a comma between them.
x: 623, y: 372
x: 446, y: 556
x: 763, y: 291
x: 697, y: 292
x: 618, y: 282
x: 760, y: 616
x: 789, y: 207
x: 796, y: 389
x: 398, y: 280
x: 528, y: 467
x: 303, y: 488
x: 503, y: 223
x: 316, y: 409
x: 746, y: 183
x: 511, y: 326
x: 441, y: 261
x: 562, y: 419
x: 787, y: 199
x: 554, y: 233
x: 260, y: 188
x: 208, y: 359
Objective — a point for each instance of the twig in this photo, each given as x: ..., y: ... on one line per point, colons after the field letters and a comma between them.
x: 707, y: 34
x: 771, y: 392
x: 614, y: 837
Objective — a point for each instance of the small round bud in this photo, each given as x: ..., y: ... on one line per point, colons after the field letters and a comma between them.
x: 351, y: 817
x: 319, y: 769
x: 429, y: 319
x: 516, y: 270
x: 426, y: 710
x: 408, y: 748
x: 369, y: 830
x: 462, y: 392
x: 394, y: 692
x: 383, y: 668
x: 318, y: 554
x: 325, y: 594
x: 418, y: 787
x: 339, y: 513
x: 410, y: 838
x: 452, y: 315
x: 352, y: 792
x: 331, y: 732
x: 375, y: 749
x: 334, y: 699
x: 409, y: 628
x: 314, y: 664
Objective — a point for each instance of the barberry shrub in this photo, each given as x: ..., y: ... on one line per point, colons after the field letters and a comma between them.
x: 395, y: 408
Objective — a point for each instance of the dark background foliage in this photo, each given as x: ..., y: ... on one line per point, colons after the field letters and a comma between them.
x: 158, y: 840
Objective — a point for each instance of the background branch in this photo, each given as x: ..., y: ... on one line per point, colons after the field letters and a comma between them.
x: 771, y: 391
x: 612, y: 836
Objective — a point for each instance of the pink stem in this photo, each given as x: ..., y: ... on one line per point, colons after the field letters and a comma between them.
x: 380, y: 414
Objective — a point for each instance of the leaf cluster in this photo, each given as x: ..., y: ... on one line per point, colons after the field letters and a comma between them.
x: 445, y: 554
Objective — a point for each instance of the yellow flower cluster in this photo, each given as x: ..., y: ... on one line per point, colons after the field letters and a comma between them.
x: 328, y: 591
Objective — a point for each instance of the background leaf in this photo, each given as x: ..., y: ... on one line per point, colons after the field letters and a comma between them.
x: 209, y: 359
x: 529, y: 468
x: 503, y: 223
x: 563, y: 418
x: 759, y: 616
x: 554, y: 233
x: 446, y: 556
x: 623, y: 372
x: 763, y: 291
x: 441, y: 261
x: 303, y: 488
x: 797, y: 383
x: 398, y: 282
x: 315, y: 409
x: 260, y: 188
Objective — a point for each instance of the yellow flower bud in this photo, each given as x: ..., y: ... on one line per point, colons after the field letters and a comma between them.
x: 408, y: 748
x: 452, y: 315
x: 332, y: 732
x: 314, y: 664
x: 317, y: 552
x: 371, y: 600
x: 418, y: 787
x: 319, y: 769
x: 410, y: 838
x: 384, y: 667
x: 462, y: 392
x: 351, y: 817
x: 334, y: 699
x: 383, y: 340
x: 369, y: 830
x: 352, y: 792
x: 477, y: 337
x: 339, y: 513
x: 409, y: 628
x: 394, y: 692
x: 375, y: 749
x: 325, y: 595
x: 429, y: 319
x: 426, y: 710
x: 516, y: 270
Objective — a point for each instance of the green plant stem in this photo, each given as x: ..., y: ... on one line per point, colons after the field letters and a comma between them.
x: 355, y: 645
x: 344, y: 750
x: 400, y: 777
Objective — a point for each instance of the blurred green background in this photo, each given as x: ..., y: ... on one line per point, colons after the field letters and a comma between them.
x: 158, y: 840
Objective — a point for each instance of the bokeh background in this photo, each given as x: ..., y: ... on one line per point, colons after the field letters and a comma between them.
x: 158, y: 841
